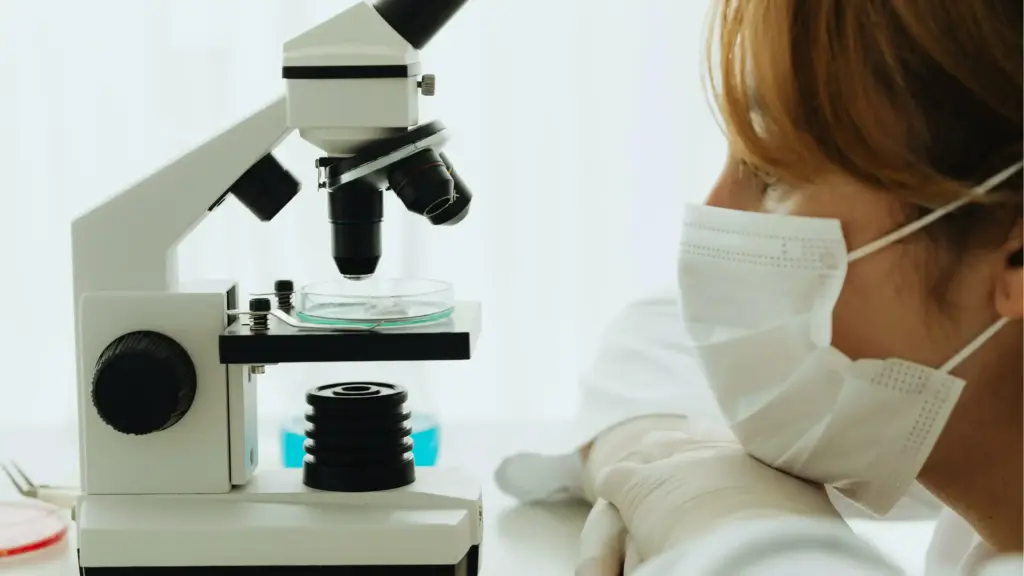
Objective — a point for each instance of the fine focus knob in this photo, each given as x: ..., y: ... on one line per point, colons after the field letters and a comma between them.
x: 428, y: 85
x: 144, y: 382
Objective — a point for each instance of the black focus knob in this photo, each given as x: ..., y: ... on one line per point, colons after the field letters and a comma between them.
x: 144, y: 382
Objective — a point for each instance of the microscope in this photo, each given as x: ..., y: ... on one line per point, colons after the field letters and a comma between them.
x: 167, y: 373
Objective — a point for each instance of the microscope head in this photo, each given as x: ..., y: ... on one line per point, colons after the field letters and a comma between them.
x: 353, y: 90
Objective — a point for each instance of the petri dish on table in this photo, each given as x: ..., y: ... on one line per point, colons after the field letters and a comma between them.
x: 376, y: 302
x: 29, y: 526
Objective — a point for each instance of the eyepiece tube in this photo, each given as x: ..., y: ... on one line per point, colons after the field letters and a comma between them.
x: 418, y: 21
x: 356, y: 210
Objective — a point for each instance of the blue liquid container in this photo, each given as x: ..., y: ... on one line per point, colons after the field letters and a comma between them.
x: 426, y: 440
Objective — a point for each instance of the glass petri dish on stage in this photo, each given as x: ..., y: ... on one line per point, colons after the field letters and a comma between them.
x: 376, y: 302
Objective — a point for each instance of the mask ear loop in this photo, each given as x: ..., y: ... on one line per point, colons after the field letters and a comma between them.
x: 916, y: 225
x: 974, y: 345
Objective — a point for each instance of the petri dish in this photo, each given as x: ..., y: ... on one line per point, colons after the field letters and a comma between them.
x: 376, y: 302
x: 28, y: 526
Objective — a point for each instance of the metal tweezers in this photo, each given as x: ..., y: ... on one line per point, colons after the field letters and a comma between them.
x: 61, y: 497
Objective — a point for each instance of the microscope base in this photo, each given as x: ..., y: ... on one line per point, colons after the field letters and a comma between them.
x: 276, y: 525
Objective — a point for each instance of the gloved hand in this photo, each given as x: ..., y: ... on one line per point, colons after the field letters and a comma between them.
x: 606, y: 549
x: 675, y: 487
x: 612, y: 445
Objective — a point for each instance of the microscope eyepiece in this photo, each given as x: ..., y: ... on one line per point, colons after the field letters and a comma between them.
x: 418, y: 21
x: 427, y: 184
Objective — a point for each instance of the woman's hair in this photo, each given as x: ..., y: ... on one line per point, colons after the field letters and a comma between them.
x: 919, y: 98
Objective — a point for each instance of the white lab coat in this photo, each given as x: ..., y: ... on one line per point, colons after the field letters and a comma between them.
x: 642, y: 369
x: 788, y: 547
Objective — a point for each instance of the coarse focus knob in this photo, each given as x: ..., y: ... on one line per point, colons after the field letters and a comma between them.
x: 144, y: 382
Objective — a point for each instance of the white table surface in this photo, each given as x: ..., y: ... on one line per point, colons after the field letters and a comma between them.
x: 539, y: 540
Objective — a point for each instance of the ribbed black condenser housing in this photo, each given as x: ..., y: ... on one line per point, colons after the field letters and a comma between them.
x: 358, y: 438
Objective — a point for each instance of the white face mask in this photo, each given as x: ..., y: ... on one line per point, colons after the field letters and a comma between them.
x: 757, y: 296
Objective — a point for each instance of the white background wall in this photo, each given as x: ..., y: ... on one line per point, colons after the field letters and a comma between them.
x: 581, y: 126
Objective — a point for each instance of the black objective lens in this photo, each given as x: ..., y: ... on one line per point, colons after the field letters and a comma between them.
x: 356, y: 210
x: 427, y: 185
x: 459, y: 207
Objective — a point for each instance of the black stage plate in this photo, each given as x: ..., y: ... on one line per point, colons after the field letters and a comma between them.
x: 452, y: 339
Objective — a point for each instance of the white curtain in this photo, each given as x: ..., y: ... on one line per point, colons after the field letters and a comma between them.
x: 580, y: 125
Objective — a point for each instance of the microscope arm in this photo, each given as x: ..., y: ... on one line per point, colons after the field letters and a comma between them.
x: 129, y: 242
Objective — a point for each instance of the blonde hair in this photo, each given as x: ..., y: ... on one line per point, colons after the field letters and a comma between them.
x: 920, y: 98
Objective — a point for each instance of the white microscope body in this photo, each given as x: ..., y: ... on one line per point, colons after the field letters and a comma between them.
x: 167, y: 374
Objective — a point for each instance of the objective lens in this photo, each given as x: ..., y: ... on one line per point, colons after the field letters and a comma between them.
x: 462, y: 197
x: 356, y: 210
x: 427, y: 185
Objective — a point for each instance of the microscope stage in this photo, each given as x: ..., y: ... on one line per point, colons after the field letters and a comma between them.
x: 276, y: 526
x: 450, y: 339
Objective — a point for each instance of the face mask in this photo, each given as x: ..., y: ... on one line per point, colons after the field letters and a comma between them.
x: 757, y: 296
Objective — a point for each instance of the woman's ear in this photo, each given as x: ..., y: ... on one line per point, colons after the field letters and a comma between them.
x: 1010, y: 285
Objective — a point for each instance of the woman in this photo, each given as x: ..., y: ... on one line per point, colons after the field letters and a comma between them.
x: 898, y: 122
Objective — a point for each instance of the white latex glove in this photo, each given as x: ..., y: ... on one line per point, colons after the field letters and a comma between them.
x: 612, y: 445
x: 606, y: 548
x: 675, y: 487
